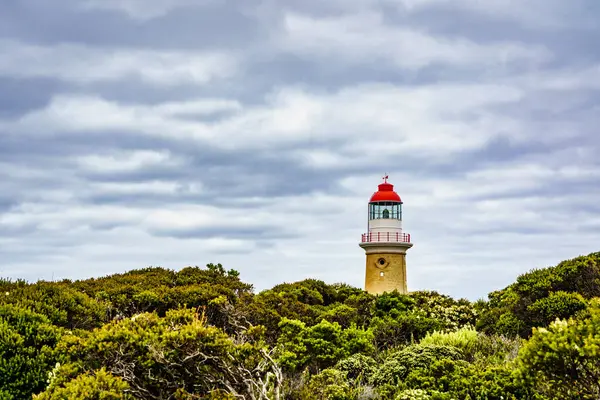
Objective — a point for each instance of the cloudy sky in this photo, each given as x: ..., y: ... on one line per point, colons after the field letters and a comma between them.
x: 252, y: 133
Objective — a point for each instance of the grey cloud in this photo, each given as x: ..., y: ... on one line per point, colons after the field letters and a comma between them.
x: 194, y: 27
x: 6, y: 202
x: 257, y: 233
x: 19, y: 96
x: 20, y: 231
x: 556, y: 189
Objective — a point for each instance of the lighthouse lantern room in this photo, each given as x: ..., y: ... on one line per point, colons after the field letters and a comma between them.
x: 385, y: 243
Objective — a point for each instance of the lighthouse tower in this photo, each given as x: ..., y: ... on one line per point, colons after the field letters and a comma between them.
x: 385, y: 243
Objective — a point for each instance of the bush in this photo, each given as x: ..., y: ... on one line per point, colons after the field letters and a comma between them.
x: 557, y: 305
x: 495, y: 349
x: 27, y: 342
x: 452, y: 314
x: 466, y: 339
x: 405, y: 329
x: 63, y: 305
x: 564, y: 359
x: 413, y: 394
x: 542, y: 295
x: 330, y: 384
x: 94, y: 385
x: 357, y: 367
x: 398, y: 365
x: 179, y: 352
x: 321, y: 345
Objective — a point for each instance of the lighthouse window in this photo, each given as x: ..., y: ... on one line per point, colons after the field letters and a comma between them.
x: 386, y: 210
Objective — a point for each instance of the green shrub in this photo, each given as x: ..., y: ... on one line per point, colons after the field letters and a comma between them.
x: 404, y: 329
x: 557, y: 305
x: 466, y: 339
x: 542, y: 295
x: 563, y: 360
x: 178, y: 352
x: 357, y: 367
x: 398, y: 365
x: 452, y: 314
x: 321, y: 345
x: 96, y: 385
x: 329, y: 384
x: 413, y: 394
x: 27, y: 342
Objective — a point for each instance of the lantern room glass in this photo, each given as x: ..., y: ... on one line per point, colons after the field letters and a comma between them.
x: 385, y: 210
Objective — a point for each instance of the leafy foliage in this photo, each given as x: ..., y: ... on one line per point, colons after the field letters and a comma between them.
x: 158, y: 356
x: 61, y: 303
x: 398, y: 365
x: 27, y: 351
x: 358, y: 367
x: 321, y: 345
x: 564, y: 359
x: 329, y: 384
x: 542, y: 295
x: 96, y: 385
x: 465, y: 339
x: 201, y: 333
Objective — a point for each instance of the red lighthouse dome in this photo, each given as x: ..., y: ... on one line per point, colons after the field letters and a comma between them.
x: 385, y: 193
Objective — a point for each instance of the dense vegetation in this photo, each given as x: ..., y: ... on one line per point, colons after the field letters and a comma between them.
x: 201, y: 333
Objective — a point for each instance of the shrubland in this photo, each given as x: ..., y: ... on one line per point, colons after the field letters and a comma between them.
x: 202, y: 333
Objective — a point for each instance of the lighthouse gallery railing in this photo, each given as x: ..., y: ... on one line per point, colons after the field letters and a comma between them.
x: 386, y: 237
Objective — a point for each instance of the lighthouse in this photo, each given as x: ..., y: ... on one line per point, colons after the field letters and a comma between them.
x: 385, y: 243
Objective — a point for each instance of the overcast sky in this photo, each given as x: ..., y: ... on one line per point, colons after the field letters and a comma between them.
x: 252, y: 133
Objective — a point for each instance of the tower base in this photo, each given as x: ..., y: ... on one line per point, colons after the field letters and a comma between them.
x: 385, y: 267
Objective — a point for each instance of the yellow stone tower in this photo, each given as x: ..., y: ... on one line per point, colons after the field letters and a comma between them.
x: 384, y: 243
